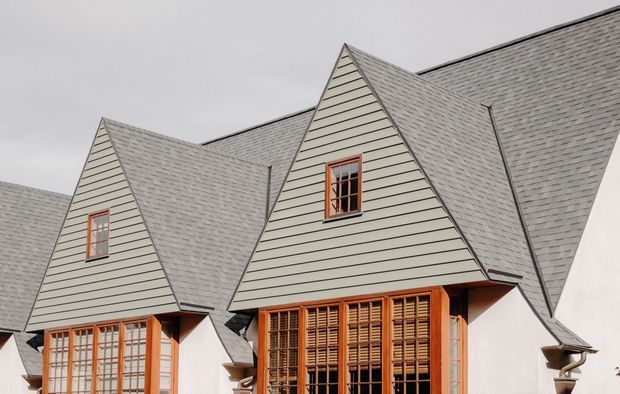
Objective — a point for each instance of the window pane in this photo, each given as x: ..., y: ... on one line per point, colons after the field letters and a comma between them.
x: 82, y: 361
x: 165, y: 368
x: 107, y: 359
x: 58, y: 363
x: 411, y: 345
x: 322, y: 350
x: 364, y: 347
x: 134, y: 357
x: 283, y: 342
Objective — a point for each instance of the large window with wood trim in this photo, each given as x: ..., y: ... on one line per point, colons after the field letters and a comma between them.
x: 98, y: 234
x: 343, y: 187
x: 399, y: 343
x: 135, y: 356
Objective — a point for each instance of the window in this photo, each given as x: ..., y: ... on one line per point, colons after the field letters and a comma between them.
x: 112, y: 358
x: 283, y: 344
x: 457, y: 345
x: 411, y: 339
x: 98, y: 234
x: 322, y: 350
x: 402, y: 343
x: 343, y: 187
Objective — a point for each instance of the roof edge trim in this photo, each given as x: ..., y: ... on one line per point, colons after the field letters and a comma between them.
x: 146, y: 226
x: 288, y: 173
x: 483, y: 269
x: 515, y: 196
x: 278, y: 119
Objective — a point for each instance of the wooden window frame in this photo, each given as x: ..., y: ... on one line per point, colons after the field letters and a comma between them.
x: 439, y: 340
x: 153, y: 346
x: 91, y: 216
x: 328, y: 166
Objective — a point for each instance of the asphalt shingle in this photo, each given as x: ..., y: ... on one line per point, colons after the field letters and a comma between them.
x: 556, y: 100
x: 204, y: 211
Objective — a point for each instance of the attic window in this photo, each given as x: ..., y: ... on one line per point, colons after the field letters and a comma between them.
x: 98, y: 234
x: 343, y: 187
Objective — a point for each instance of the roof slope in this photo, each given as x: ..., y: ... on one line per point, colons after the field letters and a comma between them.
x: 556, y: 102
x: 29, y: 223
x: 32, y: 359
x: 273, y: 143
x: 453, y: 140
x: 203, y: 210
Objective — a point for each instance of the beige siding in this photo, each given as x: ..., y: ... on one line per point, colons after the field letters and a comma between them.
x: 129, y: 282
x: 404, y: 239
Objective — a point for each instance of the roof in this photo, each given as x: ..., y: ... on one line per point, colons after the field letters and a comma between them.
x: 273, y: 143
x: 32, y: 359
x: 454, y: 142
x: 29, y: 223
x: 203, y: 210
x: 555, y: 101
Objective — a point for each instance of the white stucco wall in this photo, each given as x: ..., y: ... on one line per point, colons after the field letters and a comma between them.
x: 590, y: 301
x: 504, y: 339
x: 11, y: 369
x: 202, y: 358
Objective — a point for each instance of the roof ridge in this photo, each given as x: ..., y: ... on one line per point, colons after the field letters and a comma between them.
x: 521, y: 39
x: 36, y: 189
x: 417, y: 76
x: 198, y: 147
x: 146, y: 131
x: 280, y: 118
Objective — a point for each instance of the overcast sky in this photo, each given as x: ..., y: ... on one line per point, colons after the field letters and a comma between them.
x: 200, y: 69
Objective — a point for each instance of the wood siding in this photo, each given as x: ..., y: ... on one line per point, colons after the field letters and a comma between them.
x: 130, y: 282
x: 403, y: 240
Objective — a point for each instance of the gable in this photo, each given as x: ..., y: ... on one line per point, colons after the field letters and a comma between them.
x: 129, y: 282
x: 403, y: 239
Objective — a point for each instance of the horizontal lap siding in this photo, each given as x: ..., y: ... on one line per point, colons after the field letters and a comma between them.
x: 129, y: 282
x: 404, y: 238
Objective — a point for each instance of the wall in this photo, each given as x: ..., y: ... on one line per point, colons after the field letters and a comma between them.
x: 590, y: 301
x: 504, y: 341
x: 202, y: 358
x: 11, y: 368
x: 130, y: 282
x: 404, y: 238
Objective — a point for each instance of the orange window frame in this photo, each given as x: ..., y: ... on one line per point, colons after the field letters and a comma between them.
x: 328, y: 168
x: 153, y: 346
x: 91, y: 216
x: 439, y: 339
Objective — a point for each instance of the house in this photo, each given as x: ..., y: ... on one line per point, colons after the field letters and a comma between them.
x: 446, y: 231
x: 29, y: 222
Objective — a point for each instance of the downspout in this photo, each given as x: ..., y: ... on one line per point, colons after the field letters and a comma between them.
x: 565, y: 371
x: 565, y: 384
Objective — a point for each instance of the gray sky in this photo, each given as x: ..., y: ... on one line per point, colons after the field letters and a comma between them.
x: 200, y: 69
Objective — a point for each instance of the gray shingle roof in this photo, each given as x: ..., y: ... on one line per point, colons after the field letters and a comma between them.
x: 29, y: 223
x: 453, y: 140
x: 556, y: 101
x: 204, y: 211
x: 273, y: 143
x: 32, y: 359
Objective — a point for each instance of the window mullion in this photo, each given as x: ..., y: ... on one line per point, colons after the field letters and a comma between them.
x: 386, y: 339
x: 120, y: 351
x: 342, y: 345
x: 70, y: 363
x: 301, y: 351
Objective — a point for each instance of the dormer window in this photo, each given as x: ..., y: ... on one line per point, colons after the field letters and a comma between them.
x: 98, y: 234
x: 343, y: 187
